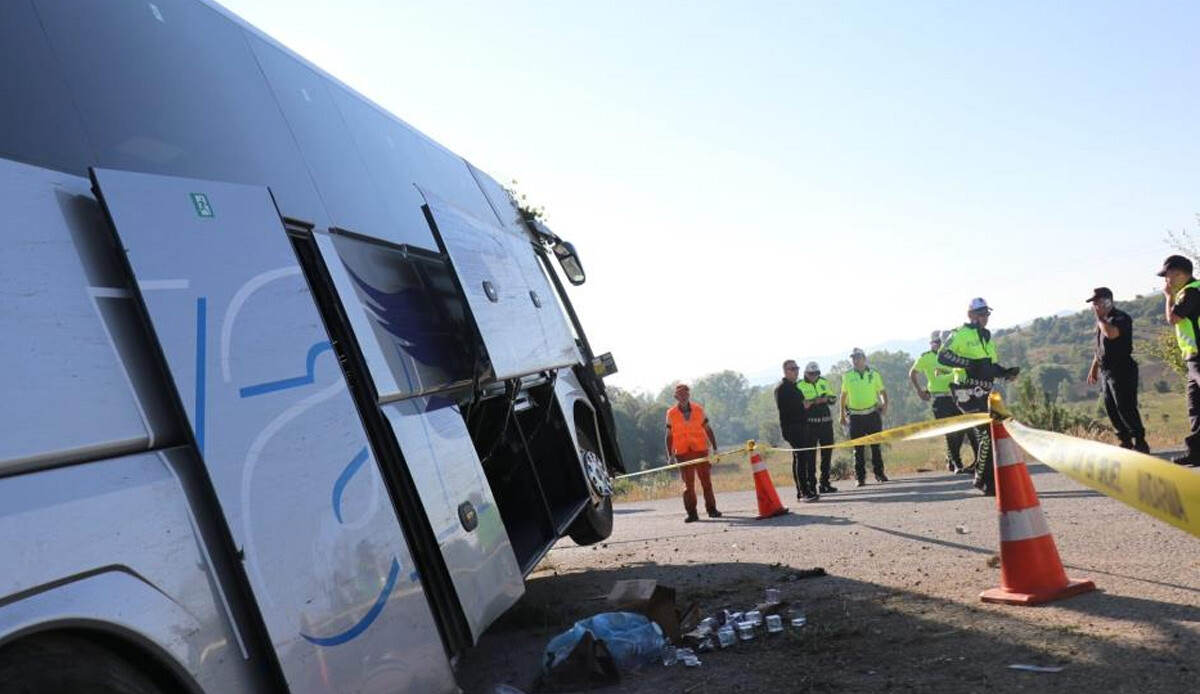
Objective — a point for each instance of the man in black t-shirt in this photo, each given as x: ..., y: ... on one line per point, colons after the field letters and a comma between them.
x: 1116, y: 371
x: 793, y: 424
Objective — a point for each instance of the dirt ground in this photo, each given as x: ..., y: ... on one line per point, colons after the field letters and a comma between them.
x: 899, y: 610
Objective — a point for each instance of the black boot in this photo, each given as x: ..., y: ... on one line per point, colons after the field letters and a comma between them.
x: 1140, y: 445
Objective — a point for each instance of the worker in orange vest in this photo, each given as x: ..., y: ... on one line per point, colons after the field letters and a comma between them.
x: 689, y: 437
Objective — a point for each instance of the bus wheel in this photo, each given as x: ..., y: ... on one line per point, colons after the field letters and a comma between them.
x: 595, y: 522
x: 57, y: 663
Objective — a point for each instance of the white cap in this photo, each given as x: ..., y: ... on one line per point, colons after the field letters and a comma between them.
x: 935, y: 336
x: 812, y: 368
x: 978, y: 304
x: 857, y: 352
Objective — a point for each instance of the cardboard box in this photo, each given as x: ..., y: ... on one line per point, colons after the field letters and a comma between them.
x: 646, y: 596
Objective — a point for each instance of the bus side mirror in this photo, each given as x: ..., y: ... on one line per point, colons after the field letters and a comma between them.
x: 568, y: 259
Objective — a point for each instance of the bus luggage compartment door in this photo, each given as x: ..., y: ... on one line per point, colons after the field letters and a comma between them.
x: 279, y: 434
x: 514, y: 307
x: 403, y: 315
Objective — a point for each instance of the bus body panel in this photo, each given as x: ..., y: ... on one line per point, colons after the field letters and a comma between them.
x: 67, y: 395
x: 80, y: 552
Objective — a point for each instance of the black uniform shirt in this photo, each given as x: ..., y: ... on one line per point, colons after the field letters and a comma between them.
x: 792, y: 417
x: 1116, y: 355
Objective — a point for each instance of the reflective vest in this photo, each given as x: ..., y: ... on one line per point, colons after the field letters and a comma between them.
x: 812, y: 391
x: 1186, y: 328
x: 687, y: 433
x: 861, y: 390
x: 966, y: 343
x: 939, y: 377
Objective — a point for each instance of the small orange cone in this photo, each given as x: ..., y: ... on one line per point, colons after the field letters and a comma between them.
x: 769, y: 505
x: 1030, y: 570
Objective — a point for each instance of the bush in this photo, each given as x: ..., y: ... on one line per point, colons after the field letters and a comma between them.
x: 1161, y: 386
x: 1034, y: 408
x: 841, y: 468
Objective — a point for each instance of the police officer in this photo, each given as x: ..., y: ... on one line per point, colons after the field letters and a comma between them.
x: 864, y: 402
x: 1182, y: 293
x: 936, y: 391
x: 793, y: 424
x: 818, y: 396
x: 971, y: 349
x: 1116, y: 371
x: 688, y: 438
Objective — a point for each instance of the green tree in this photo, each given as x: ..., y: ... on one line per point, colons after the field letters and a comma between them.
x: 1162, y: 347
x: 1034, y: 407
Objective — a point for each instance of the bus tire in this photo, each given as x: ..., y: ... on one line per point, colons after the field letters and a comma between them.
x: 57, y: 663
x: 595, y: 522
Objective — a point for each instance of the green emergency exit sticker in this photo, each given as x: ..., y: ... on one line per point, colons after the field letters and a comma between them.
x: 200, y: 202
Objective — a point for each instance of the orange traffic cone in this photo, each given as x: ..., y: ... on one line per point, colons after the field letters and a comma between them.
x: 768, y: 499
x: 1030, y: 569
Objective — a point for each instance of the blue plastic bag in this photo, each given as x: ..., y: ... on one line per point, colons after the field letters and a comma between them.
x: 632, y: 639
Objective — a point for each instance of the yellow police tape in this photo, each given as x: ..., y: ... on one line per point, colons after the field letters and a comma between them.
x: 907, y: 432
x: 1164, y: 490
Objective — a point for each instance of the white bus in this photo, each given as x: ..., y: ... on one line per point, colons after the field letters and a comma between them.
x: 292, y: 397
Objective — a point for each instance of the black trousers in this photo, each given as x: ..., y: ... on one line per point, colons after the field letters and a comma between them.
x: 1193, y: 401
x: 943, y: 407
x: 862, y: 425
x: 821, y: 434
x: 984, y: 477
x: 804, y: 470
x: 1121, y: 403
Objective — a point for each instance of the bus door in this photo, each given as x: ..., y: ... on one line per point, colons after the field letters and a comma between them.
x: 412, y: 351
x: 324, y: 554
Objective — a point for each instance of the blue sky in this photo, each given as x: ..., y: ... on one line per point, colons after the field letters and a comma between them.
x: 753, y: 181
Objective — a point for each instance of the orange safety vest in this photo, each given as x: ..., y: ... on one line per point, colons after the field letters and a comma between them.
x: 687, y: 434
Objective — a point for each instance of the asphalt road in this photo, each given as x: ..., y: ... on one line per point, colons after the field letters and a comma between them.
x: 899, y: 609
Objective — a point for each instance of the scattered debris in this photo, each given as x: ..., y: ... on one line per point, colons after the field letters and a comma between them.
x: 800, y: 574
x: 993, y: 561
x: 594, y: 649
x: 962, y: 530
x: 1036, y: 668
x: 587, y: 663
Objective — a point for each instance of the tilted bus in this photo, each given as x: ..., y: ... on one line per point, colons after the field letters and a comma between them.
x: 292, y: 397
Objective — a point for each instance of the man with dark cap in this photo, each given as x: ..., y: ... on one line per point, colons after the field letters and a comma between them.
x: 688, y: 438
x: 793, y: 424
x: 1182, y: 293
x: 1115, y: 370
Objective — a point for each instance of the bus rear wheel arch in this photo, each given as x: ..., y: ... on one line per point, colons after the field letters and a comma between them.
x: 74, y: 661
